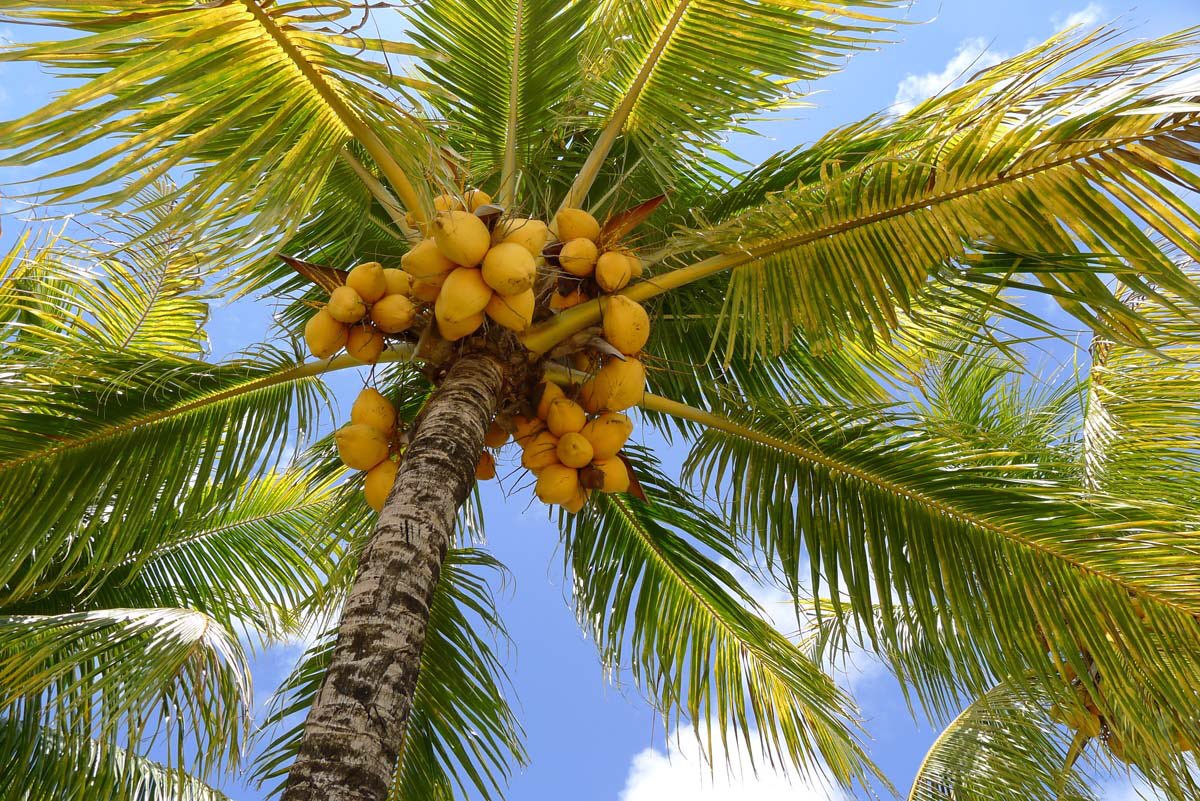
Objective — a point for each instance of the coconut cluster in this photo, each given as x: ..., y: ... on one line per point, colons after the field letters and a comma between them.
x: 588, y: 267
x: 373, y: 303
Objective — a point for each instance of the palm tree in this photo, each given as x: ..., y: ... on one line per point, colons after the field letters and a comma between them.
x: 125, y: 636
x: 781, y: 297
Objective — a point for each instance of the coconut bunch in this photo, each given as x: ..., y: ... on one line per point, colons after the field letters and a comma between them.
x: 588, y: 268
x: 373, y: 303
x: 371, y: 442
x: 473, y: 265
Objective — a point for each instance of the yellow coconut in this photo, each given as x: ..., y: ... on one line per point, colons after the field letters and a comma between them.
x: 557, y: 484
x: 495, y: 436
x: 461, y: 237
x: 578, y: 257
x: 617, y: 386
x: 526, y: 428
x: 529, y: 234
x: 345, y: 305
x: 576, y: 503
x: 454, y: 330
x: 379, y: 482
x: 365, y: 343
x: 545, y: 394
x: 613, y: 271
x: 636, y: 267
x: 361, y: 446
x: 474, y: 198
x: 464, y: 295
x: 565, y: 415
x: 370, y: 408
x: 485, y: 468
x: 509, y: 269
x: 440, y: 203
x: 584, y: 361
x: 626, y: 324
x: 614, y: 476
x: 574, y: 450
x: 427, y: 289
x: 425, y: 260
x: 368, y: 281
x: 607, y: 433
x: 576, y: 224
x: 324, y: 335
x: 398, y: 282
x: 514, y: 312
x: 393, y: 314
x: 540, y: 451
x: 558, y: 302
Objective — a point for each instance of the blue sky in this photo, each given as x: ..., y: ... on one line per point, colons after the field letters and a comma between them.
x: 590, y: 738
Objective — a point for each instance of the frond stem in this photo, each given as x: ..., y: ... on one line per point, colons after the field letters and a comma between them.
x: 508, y: 171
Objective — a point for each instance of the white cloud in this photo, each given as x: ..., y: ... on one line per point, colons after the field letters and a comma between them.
x: 971, y: 56
x: 1085, y: 17
x: 682, y: 774
x: 1129, y: 789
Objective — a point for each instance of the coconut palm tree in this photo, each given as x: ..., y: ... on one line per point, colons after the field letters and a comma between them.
x: 782, y: 296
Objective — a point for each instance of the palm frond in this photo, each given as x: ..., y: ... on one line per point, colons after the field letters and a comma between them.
x: 254, y: 100
x: 461, y: 732
x: 171, y: 677
x: 658, y: 604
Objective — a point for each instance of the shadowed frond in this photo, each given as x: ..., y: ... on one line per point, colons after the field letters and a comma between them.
x: 168, y: 676
x: 461, y: 733
x: 255, y: 100
x: 659, y: 605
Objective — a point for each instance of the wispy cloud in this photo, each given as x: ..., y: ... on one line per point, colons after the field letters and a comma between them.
x: 970, y: 57
x: 682, y: 774
x: 1085, y: 17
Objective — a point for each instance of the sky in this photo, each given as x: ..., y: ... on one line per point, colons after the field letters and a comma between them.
x: 588, y: 737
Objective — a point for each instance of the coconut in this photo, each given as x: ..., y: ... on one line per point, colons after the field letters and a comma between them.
x: 324, y: 335
x: 626, y: 324
x: 584, y: 361
x: 393, y: 314
x: 613, y: 271
x: 636, y: 267
x: 509, y: 269
x: 574, y: 450
x: 576, y: 224
x: 345, y: 305
x: 526, y: 428
x: 607, y: 434
x: 558, y: 301
x: 529, y: 234
x: 514, y: 312
x: 365, y: 343
x: 424, y: 260
x: 576, y: 503
x: 361, y: 446
x: 485, y: 468
x: 495, y: 436
x: 578, y: 257
x: 372, y: 409
x: 427, y: 289
x: 464, y: 295
x: 444, y: 202
x: 545, y: 394
x: 474, y: 198
x: 454, y: 330
x: 557, y: 484
x: 398, y: 282
x: 379, y: 482
x: 618, y: 385
x: 565, y: 415
x: 368, y: 281
x: 461, y: 237
x: 607, y: 475
x: 540, y: 451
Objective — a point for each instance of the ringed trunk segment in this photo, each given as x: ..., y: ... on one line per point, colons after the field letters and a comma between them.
x: 356, y: 726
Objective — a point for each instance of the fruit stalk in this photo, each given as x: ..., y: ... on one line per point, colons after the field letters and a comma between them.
x: 354, y: 731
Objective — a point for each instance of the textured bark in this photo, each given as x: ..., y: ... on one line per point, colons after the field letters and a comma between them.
x: 355, y: 728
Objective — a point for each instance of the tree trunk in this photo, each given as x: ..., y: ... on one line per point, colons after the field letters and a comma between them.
x: 354, y: 731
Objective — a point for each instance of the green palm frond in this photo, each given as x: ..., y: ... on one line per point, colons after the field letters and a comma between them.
x: 658, y: 604
x: 256, y: 100
x: 674, y: 75
x: 1034, y: 157
x: 510, y: 66
x: 171, y: 677
x: 39, y: 765
x: 1031, y: 574
x: 461, y: 732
